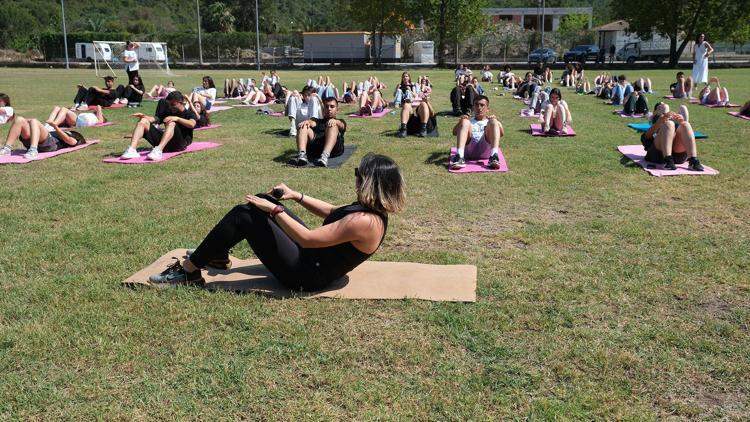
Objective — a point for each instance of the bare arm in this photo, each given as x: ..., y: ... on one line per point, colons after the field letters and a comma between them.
x: 356, y: 228
x: 61, y: 135
x: 316, y: 206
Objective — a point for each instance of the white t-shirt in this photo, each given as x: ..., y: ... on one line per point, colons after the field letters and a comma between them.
x: 131, y: 54
x: 477, y: 129
x: 86, y: 120
x: 6, y: 113
x: 207, y: 92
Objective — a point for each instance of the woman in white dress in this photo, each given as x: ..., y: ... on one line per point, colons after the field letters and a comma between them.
x: 701, y: 51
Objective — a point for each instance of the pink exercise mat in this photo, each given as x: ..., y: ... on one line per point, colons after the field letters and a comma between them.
x: 536, y: 130
x: 730, y: 105
x: 621, y: 113
x: 16, y: 157
x: 104, y: 124
x: 479, y: 166
x: 195, y: 146
x: 691, y: 100
x: 208, y: 127
x: 525, y: 113
x: 254, y: 105
x: 371, y: 116
x: 737, y: 114
x: 638, y: 155
x: 218, y: 108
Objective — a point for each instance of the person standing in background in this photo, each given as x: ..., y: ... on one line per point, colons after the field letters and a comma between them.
x: 130, y: 58
x: 701, y: 51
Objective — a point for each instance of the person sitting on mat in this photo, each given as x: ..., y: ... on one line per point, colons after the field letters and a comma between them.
x: 178, y: 121
x: 405, y: 90
x: 37, y: 137
x: 64, y: 117
x: 486, y: 73
x: 350, y: 93
x: 670, y: 140
x: 6, y: 111
x: 301, y: 107
x: 683, y: 87
x: 556, y: 116
x: 206, y: 93
x: 161, y: 91
x: 131, y: 94
x: 371, y: 101
x: 203, y: 119
x: 92, y: 96
x: 621, y: 90
x: 478, y: 137
x: 636, y: 102
x: 425, y: 86
x: 420, y: 123
x: 321, y: 139
x: 717, y: 95
x: 528, y: 87
x: 462, y: 96
x: 301, y: 258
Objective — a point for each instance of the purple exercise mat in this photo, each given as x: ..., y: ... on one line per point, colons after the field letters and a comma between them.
x: 737, y: 114
x: 195, y: 146
x: 523, y: 113
x: 16, y: 157
x: 638, y: 155
x: 479, y: 166
x: 218, y: 108
x: 536, y: 130
x: 208, y: 127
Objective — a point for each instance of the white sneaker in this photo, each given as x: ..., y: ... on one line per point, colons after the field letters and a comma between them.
x: 129, y: 154
x: 155, y: 154
x: 31, y: 154
x: 5, y: 150
x: 116, y: 101
x: 293, y: 131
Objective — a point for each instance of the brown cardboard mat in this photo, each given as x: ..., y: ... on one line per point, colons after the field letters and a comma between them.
x: 371, y: 280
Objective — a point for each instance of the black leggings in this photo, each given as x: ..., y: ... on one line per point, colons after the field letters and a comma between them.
x: 464, y: 104
x: 91, y: 97
x: 285, y: 259
x: 636, y: 106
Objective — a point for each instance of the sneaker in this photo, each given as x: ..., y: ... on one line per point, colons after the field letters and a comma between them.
x: 695, y: 165
x: 669, y: 163
x: 155, y: 154
x: 457, y: 162
x: 322, y: 162
x: 422, y: 133
x: 494, y: 162
x: 31, y: 154
x: 5, y: 150
x: 116, y: 101
x: 175, y: 275
x: 293, y: 131
x: 129, y: 154
x: 302, y: 159
x: 219, y: 264
x: 401, y: 133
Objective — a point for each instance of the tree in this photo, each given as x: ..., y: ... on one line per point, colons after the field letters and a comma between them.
x: 683, y: 19
x: 381, y: 18
x: 218, y: 17
x: 453, y: 21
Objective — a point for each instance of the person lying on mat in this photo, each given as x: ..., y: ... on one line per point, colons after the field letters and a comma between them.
x: 421, y: 122
x: 161, y: 91
x: 206, y: 93
x: 64, y: 117
x: 683, y: 87
x: 320, y: 139
x: 37, y: 137
x: 92, y: 96
x: 714, y: 95
x: 539, y: 101
x: 556, y: 115
x: 177, y: 134
x: 636, y: 102
x: 646, y: 85
x: 478, y: 138
x: 350, y: 93
x: 302, y: 106
x: 201, y: 113
x: 6, y: 111
x: 583, y: 86
x: 131, y: 94
x: 301, y: 258
x: 326, y: 88
x: 258, y: 95
x: 371, y: 101
x: 745, y: 109
x: 670, y: 140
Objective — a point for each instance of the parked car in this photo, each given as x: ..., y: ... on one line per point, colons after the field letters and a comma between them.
x: 543, y: 55
x: 580, y: 53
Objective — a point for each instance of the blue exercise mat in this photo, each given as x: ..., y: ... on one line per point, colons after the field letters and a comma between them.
x: 642, y: 127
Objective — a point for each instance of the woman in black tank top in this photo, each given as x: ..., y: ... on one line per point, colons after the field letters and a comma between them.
x: 300, y: 257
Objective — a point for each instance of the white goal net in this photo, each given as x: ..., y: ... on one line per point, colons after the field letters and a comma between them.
x: 108, y: 57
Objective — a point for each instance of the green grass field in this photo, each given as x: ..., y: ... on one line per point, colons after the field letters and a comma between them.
x: 603, y: 292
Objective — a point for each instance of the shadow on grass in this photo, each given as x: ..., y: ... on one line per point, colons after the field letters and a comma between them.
x: 445, y: 114
x: 285, y: 156
x: 279, y: 133
x: 438, y: 158
x: 627, y: 162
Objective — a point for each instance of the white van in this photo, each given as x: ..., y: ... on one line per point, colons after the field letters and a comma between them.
x: 86, y: 51
x: 152, y: 52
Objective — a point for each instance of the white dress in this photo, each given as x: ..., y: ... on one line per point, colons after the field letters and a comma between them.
x: 700, y: 67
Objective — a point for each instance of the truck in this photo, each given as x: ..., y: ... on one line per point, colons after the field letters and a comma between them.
x: 655, y: 49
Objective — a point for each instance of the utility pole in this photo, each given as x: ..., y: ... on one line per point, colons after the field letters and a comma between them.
x: 257, y: 37
x: 200, y: 42
x: 65, y: 35
x: 543, y: 4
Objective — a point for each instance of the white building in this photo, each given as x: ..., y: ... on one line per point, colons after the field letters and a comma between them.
x: 529, y: 17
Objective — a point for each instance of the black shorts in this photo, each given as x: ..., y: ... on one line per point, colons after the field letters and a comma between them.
x: 315, y: 147
x: 177, y: 143
x: 414, y: 125
x: 653, y: 155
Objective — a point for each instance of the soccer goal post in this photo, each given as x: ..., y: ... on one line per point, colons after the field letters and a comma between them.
x: 151, y: 54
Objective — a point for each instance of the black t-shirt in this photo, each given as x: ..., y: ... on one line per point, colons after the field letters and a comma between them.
x: 320, y: 127
x: 187, y: 114
x: 405, y: 87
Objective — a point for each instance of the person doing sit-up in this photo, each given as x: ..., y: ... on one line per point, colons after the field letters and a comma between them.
x: 636, y: 102
x: 95, y: 96
x: 556, y: 116
x: 177, y: 134
x: 670, y: 140
x: 206, y: 93
x: 299, y: 257
x: 37, y: 137
x: 302, y: 106
x: 6, y: 111
x: 717, y: 95
x: 478, y: 137
x: 320, y: 139
x: 683, y: 88
x: 64, y: 117
x: 161, y: 91
x: 420, y: 123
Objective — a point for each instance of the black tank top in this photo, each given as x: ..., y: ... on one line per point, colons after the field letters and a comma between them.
x: 335, y: 261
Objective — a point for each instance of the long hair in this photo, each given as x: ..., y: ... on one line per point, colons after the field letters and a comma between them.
x: 380, y: 185
x: 210, y: 81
